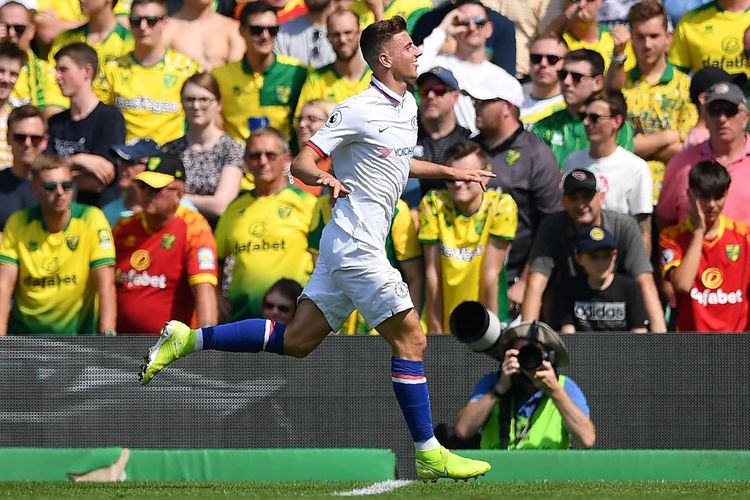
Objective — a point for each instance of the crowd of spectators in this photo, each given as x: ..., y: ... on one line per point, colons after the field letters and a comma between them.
x: 145, y: 149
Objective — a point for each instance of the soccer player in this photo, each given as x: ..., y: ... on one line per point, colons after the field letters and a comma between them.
x: 371, y: 137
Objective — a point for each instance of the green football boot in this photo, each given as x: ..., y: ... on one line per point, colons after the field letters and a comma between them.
x: 176, y: 340
x: 441, y: 463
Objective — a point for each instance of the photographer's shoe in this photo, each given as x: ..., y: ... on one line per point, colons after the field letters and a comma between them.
x: 177, y: 340
x: 439, y: 462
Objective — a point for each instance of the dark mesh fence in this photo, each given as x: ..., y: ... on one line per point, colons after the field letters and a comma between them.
x: 645, y: 391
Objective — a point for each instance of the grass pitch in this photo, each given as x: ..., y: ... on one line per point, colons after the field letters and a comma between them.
x: 412, y: 491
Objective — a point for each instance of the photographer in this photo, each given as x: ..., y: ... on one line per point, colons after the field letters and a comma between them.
x: 522, y: 407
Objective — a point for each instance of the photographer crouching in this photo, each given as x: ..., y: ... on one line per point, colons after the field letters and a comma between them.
x: 526, y: 404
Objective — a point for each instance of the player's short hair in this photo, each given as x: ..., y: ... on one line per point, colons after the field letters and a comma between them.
x: 253, y: 9
x: 137, y: 3
x: 376, y: 35
x: 648, y: 9
x: 462, y: 150
x: 709, y: 179
x: 81, y: 54
x: 9, y: 50
x: 614, y: 99
x: 283, y: 144
x: 23, y: 113
x: 289, y: 288
x: 47, y: 162
x: 594, y: 58
x: 205, y: 81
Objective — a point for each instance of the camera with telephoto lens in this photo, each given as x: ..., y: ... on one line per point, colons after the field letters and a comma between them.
x: 472, y: 324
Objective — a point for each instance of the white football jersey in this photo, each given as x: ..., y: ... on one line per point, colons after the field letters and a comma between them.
x: 371, y: 138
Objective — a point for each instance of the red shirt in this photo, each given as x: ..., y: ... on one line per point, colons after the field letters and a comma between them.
x: 155, y: 270
x: 718, y: 300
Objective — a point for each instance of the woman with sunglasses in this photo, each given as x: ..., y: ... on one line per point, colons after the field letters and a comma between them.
x: 212, y: 159
x: 312, y: 116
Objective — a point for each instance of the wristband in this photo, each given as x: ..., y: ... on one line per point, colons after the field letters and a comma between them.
x: 495, y: 393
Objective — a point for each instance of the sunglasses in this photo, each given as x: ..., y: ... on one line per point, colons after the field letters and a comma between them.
x: 151, y: 21
x: 551, y: 59
x: 478, y: 21
x: 35, y: 139
x: 438, y: 90
x: 51, y: 187
x: 272, y: 156
x: 17, y: 28
x: 257, y: 30
x: 279, y: 307
x: 723, y: 108
x: 577, y: 77
x: 592, y: 117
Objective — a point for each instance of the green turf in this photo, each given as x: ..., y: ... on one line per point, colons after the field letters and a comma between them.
x: 414, y: 491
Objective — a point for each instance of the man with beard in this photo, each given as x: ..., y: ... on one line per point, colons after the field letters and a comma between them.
x: 348, y: 75
x: 521, y: 407
x: 304, y: 38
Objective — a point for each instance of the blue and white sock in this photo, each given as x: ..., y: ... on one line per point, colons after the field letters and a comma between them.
x: 250, y: 335
x: 410, y: 386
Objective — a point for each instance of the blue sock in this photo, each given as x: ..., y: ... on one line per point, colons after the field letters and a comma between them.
x: 250, y: 335
x: 410, y: 386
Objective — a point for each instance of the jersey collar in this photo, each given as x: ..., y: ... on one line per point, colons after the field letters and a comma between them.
x: 248, y: 70
x: 719, y: 232
x: 666, y: 76
x: 388, y: 93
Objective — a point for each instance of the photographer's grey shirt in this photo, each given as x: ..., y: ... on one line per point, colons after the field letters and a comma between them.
x: 554, y: 246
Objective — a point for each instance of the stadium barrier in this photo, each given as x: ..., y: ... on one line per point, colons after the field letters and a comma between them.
x: 645, y: 391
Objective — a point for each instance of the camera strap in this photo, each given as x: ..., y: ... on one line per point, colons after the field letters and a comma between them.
x: 525, y: 430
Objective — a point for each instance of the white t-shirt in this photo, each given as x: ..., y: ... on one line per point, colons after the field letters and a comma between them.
x: 534, y: 109
x: 467, y: 74
x: 623, y: 177
x: 371, y: 138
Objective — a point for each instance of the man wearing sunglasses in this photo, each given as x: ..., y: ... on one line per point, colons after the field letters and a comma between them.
x: 728, y: 144
x: 563, y: 130
x: 166, y: 255
x: 543, y: 95
x: 36, y: 81
x: 261, y: 84
x: 145, y: 84
x: 57, y: 262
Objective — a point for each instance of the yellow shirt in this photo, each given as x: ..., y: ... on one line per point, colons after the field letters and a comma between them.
x: 661, y: 106
x: 148, y: 96
x: 37, y: 85
x: 325, y: 83
x: 117, y: 44
x: 268, y: 237
x: 463, y: 242
x: 273, y: 94
x: 710, y: 36
x: 605, y: 46
x: 410, y: 10
x: 55, y: 293
x: 70, y: 10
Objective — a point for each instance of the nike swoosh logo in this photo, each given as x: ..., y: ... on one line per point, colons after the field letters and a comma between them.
x: 381, y: 130
x: 441, y: 473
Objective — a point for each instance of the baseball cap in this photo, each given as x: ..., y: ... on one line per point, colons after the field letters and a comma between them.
x: 710, y: 75
x: 493, y: 85
x: 162, y: 170
x: 725, y: 91
x: 593, y: 239
x: 136, y: 149
x: 443, y: 74
x: 579, y: 179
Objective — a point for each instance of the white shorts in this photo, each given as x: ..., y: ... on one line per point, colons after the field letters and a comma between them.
x: 351, y: 274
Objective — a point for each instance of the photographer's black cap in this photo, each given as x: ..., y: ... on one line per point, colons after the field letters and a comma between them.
x: 593, y: 239
x: 579, y: 179
x: 545, y: 335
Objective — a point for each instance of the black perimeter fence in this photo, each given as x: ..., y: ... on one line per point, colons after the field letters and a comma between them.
x: 684, y: 391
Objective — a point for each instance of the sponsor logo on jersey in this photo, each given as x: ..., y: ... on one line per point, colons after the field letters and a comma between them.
x: 206, y: 259
x: 146, y: 104
x: 712, y: 278
x: 257, y: 246
x: 105, y: 240
x: 667, y: 256
x: 708, y: 297
x: 168, y: 240
x: 72, y: 241
x: 133, y: 278
x: 140, y: 260
x: 51, y: 281
x: 462, y: 254
x: 733, y: 252
x: 285, y: 211
x: 51, y: 265
x: 384, y: 152
x: 258, y: 229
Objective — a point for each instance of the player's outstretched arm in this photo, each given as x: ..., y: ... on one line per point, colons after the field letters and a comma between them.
x: 305, y: 168
x: 428, y: 170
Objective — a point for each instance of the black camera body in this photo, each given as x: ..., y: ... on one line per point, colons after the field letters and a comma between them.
x: 532, y: 355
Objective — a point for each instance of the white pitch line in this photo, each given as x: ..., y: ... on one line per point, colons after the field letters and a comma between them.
x: 374, y: 489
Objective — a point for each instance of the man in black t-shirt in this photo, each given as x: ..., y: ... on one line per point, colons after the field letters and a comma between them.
x: 85, y: 133
x: 601, y: 300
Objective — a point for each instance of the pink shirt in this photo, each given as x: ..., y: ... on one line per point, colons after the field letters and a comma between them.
x: 673, y: 201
